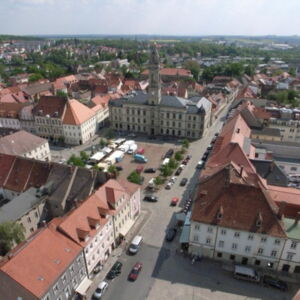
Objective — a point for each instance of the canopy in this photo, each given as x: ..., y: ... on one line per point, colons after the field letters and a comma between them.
x: 126, y: 227
x: 83, y: 286
x: 185, y: 235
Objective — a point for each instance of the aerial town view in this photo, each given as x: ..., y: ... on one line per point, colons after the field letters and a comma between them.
x: 149, y: 150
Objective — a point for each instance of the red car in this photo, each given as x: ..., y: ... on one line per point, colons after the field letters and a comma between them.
x: 174, y: 201
x: 134, y: 273
x: 139, y: 169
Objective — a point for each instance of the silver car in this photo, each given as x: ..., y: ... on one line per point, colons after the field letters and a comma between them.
x: 100, y: 290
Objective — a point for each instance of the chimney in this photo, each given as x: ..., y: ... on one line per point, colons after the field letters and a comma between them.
x: 241, y: 170
x: 281, y: 209
x: 297, y: 219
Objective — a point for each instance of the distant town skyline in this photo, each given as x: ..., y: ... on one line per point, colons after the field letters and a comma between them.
x: 157, y: 17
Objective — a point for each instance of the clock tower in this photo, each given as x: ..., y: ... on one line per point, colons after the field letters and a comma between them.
x: 154, y: 77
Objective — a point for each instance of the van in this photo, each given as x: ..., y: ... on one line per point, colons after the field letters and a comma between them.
x: 135, y: 244
x: 200, y: 164
x: 245, y: 273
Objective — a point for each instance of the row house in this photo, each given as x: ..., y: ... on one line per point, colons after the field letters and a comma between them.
x: 48, y: 266
x: 99, y: 222
x: 9, y: 115
x: 234, y: 219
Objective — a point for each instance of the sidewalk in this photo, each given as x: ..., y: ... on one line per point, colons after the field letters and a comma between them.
x: 116, y: 253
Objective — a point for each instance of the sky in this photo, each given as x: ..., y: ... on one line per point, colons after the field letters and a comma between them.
x: 163, y: 17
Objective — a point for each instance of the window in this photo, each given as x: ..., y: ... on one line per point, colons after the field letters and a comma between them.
x: 290, y: 255
x: 36, y: 215
x: 196, y: 238
x: 221, y: 244
x: 260, y: 251
x: 67, y: 292
x: 236, y: 234
x: 277, y: 242
x: 29, y: 220
x: 197, y: 227
x: 293, y: 245
x: 234, y: 246
x: 232, y: 257
x: 257, y: 262
x: 250, y: 237
x: 71, y: 269
x: 263, y: 239
x: 64, y: 278
x: 209, y: 229
x: 247, y: 249
x: 273, y: 253
x: 219, y: 254
x: 55, y: 289
x: 208, y: 241
x: 223, y: 231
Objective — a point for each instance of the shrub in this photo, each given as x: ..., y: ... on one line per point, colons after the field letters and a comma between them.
x: 134, y: 177
x: 178, y: 156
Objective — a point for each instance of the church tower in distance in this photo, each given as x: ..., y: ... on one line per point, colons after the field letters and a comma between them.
x: 154, y: 77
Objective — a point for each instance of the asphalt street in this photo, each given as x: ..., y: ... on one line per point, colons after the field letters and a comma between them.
x: 155, y: 251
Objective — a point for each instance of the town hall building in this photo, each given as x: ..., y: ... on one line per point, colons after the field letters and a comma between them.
x: 154, y: 114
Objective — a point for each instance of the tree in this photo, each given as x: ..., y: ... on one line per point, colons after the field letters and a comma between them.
x: 178, y: 156
x: 185, y: 143
x: 61, y: 94
x: 249, y: 70
x: 35, y: 77
x: 172, y: 163
x: 158, y: 180
x: 10, y: 234
x: 194, y: 67
x: 84, y: 156
x: 102, y: 143
x: 166, y: 171
x: 134, y: 177
x: 110, y: 134
x: 75, y: 161
x: 292, y: 71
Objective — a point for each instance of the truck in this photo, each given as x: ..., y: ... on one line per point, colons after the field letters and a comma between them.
x: 124, y: 148
x: 140, y: 158
x: 132, y: 149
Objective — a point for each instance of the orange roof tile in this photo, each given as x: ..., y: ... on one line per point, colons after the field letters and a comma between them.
x: 39, y: 263
x: 77, y: 113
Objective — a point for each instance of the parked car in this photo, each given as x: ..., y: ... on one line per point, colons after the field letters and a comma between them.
x: 115, y: 270
x: 185, y: 161
x: 183, y: 181
x: 100, y: 290
x: 119, y: 168
x: 140, y: 151
x: 134, y: 273
x: 188, y: 157
x: 151, y: 198
x: 200, y: 164
x: 173, y: 179
x: 171, y: 233
x: 174, y: 201
x: 142, y: 179
x: 168, y: 186
x: 169, y: 153
x: 178, y: 172
x: 275, y: 283
x: 216, y: 134
x: 210, y: 146
x: 139, y: 169
x: 150, y: 170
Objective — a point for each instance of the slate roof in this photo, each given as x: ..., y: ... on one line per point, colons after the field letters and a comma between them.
x: 267, y: 132
x: 37, y: 88
x: 269, y: 170
x: 50, y: 105
x: 191, y: 105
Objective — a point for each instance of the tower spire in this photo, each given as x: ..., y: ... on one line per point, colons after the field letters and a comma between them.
x: 154, y: 77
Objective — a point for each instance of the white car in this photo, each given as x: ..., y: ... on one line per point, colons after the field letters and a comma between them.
x: 173, y: 179
x: 100, y: 290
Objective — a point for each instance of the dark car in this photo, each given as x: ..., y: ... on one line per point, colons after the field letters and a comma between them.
x: 119, y: 168
x: 115, y: 270
x: 169, y: 153
x: 183, y: 181
x: 185, y: 161
x: 178, y: 172
x: 171, y: 233
x: 134, y: 273
x: 150, y: 170
x: 150, y: 198
x: 188, y: 157
x: 204, y: 157
x: 276, y: 283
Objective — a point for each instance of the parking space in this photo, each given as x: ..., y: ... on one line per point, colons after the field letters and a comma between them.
x: 154, y: 152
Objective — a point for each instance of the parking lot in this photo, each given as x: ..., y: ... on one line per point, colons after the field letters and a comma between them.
x: 154, y: 152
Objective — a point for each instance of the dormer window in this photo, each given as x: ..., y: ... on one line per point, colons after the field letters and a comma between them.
x: 259, y: 220
x: 220, y: 213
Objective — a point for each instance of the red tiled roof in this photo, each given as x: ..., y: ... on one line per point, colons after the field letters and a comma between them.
x: 240, y: 201
x: 77, y: 113
x: 49, y: 105
x: 41, y: 261
x: 171, y: 72
x: 6, y: 163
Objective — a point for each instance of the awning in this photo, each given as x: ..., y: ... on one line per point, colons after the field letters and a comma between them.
x: 83, y: 286
x: 126, y: 227
x: 185, y: 235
